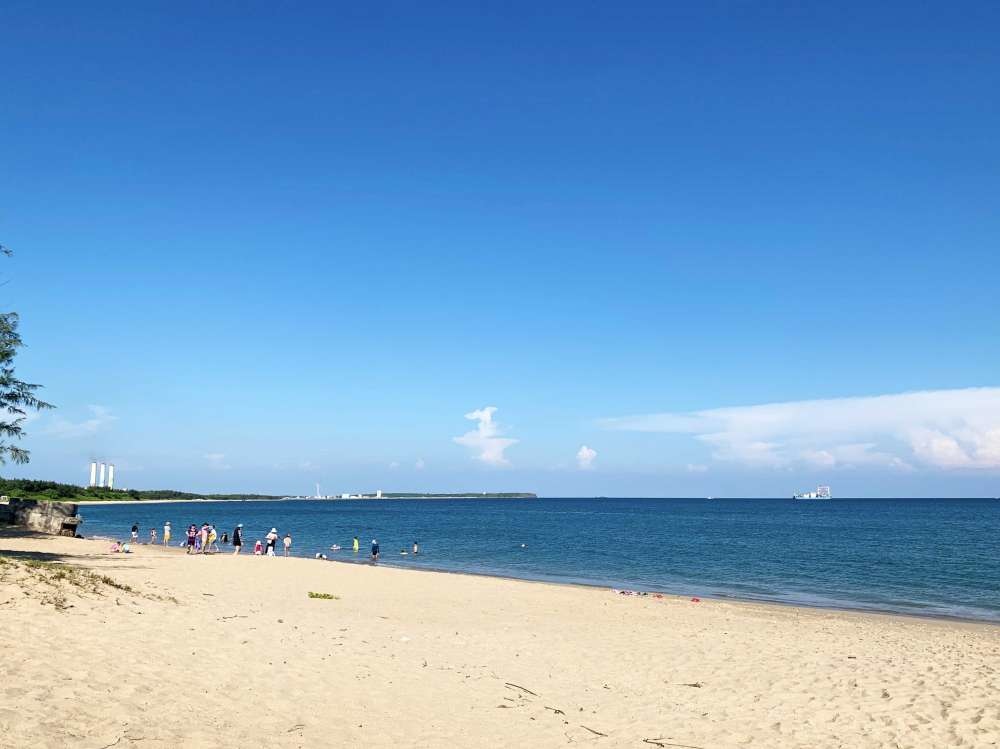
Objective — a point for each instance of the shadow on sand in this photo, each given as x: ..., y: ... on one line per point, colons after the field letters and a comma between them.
x: 8, y: 532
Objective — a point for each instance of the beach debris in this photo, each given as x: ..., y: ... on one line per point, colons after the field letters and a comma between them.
x: 695, y: 600
x: 695, y: 684
x: 556, y: 710
x: 324, y: 596
x: 596, y: 733
x: 518, y: 686
x: 663, y: 743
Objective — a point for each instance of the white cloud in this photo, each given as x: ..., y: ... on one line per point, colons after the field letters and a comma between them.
x: 100, y: 418
x: 585, y: 458
x: 485, y: 439
x: 419, y: 465
x: 942, y: 429
x: 217, y: 461
x: 394, y: 465
x: 697, y: 468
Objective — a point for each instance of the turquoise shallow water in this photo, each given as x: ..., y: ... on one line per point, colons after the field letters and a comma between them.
x: 918, y: 556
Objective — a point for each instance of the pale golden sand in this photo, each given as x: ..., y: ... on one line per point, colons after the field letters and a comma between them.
x: 406, y: 658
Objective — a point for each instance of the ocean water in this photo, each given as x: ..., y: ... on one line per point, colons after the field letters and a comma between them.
x: 916, y: 556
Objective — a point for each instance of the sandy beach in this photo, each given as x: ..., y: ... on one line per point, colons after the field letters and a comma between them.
x: 223, y: 651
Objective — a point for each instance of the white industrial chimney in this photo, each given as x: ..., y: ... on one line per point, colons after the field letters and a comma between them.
x: 111, y: 476
x: 93, y: 473
x: 101, y: 480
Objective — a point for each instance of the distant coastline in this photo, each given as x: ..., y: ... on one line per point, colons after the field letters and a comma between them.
x: 210, y: 498
x: 54, y: 491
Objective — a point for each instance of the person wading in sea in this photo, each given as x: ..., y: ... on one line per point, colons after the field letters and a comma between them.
x: 237, y: 539
x: 374, y: 550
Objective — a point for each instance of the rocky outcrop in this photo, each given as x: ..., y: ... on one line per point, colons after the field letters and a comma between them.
x: 57, y: 518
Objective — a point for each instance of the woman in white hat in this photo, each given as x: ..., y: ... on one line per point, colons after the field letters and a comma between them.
x: 272, y: 539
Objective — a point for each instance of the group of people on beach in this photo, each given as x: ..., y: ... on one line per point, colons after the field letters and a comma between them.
x: 206, y: 539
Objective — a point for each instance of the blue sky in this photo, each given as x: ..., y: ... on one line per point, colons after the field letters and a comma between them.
x: 264, y: 245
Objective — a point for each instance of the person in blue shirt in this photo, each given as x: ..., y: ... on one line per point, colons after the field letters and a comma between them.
x: 374, y: 550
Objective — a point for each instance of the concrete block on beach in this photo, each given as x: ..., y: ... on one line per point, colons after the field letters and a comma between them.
x: 56, y: 518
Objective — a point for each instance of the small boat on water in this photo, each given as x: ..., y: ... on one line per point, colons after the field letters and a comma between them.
x: 822, y: 492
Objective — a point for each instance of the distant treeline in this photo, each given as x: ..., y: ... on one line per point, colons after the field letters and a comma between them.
x: 53, y: 490
x: 484, y: 495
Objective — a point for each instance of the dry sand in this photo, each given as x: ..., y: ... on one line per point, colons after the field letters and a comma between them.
x: 419, y: 659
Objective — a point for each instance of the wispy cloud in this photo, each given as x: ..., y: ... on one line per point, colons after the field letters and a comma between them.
x: 217, y: 461
x: 419, y: 465
x: 100, y: 418
x: 485, y: 440
x: 585, y: 458
x: 941, y: 429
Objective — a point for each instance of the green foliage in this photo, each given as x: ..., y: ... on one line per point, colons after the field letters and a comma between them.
x: 16, y: 396
x: 485, y: 495
x: 52, y: 490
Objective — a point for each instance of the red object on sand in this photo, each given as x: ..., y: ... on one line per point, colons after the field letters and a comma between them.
x: 695, y: 600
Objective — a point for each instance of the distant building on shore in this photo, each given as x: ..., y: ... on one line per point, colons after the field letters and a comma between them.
x: 98, y: 472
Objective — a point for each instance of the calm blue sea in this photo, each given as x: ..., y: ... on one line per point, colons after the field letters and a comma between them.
x: 919, y: 556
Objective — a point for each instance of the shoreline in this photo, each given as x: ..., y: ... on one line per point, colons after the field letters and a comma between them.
x: 654, y: 593
x: 363, y: 561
